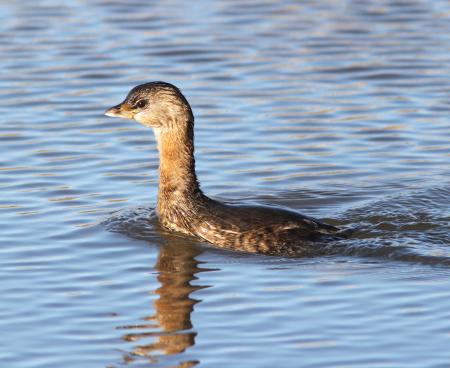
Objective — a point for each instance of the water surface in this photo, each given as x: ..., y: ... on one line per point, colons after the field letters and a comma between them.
x: 339, y: 109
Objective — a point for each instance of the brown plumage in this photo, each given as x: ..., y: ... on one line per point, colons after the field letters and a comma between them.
x: 183, y: 207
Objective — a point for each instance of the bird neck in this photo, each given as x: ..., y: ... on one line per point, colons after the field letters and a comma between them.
x: 177, y: 177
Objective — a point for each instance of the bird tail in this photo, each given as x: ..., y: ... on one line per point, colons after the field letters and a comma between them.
x: 335, y: 231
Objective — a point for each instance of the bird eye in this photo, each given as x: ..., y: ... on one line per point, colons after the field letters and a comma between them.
x: 140, y: 104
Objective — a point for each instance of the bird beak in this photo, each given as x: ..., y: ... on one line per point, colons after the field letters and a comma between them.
x: 120, y: 111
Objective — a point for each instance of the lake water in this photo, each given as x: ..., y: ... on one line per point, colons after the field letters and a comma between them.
x: 338, y: 109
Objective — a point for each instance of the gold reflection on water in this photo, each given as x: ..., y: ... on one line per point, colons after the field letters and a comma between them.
x: 170, y: 326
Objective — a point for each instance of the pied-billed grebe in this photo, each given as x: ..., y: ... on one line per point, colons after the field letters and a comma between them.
x: 183, y: 207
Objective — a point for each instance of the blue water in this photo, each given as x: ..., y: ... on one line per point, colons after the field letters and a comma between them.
x: 338, y: 109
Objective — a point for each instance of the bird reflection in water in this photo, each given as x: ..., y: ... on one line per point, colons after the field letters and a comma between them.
x: 176, y: 266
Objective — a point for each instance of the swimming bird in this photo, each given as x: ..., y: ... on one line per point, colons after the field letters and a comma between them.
x: 181, y: 204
